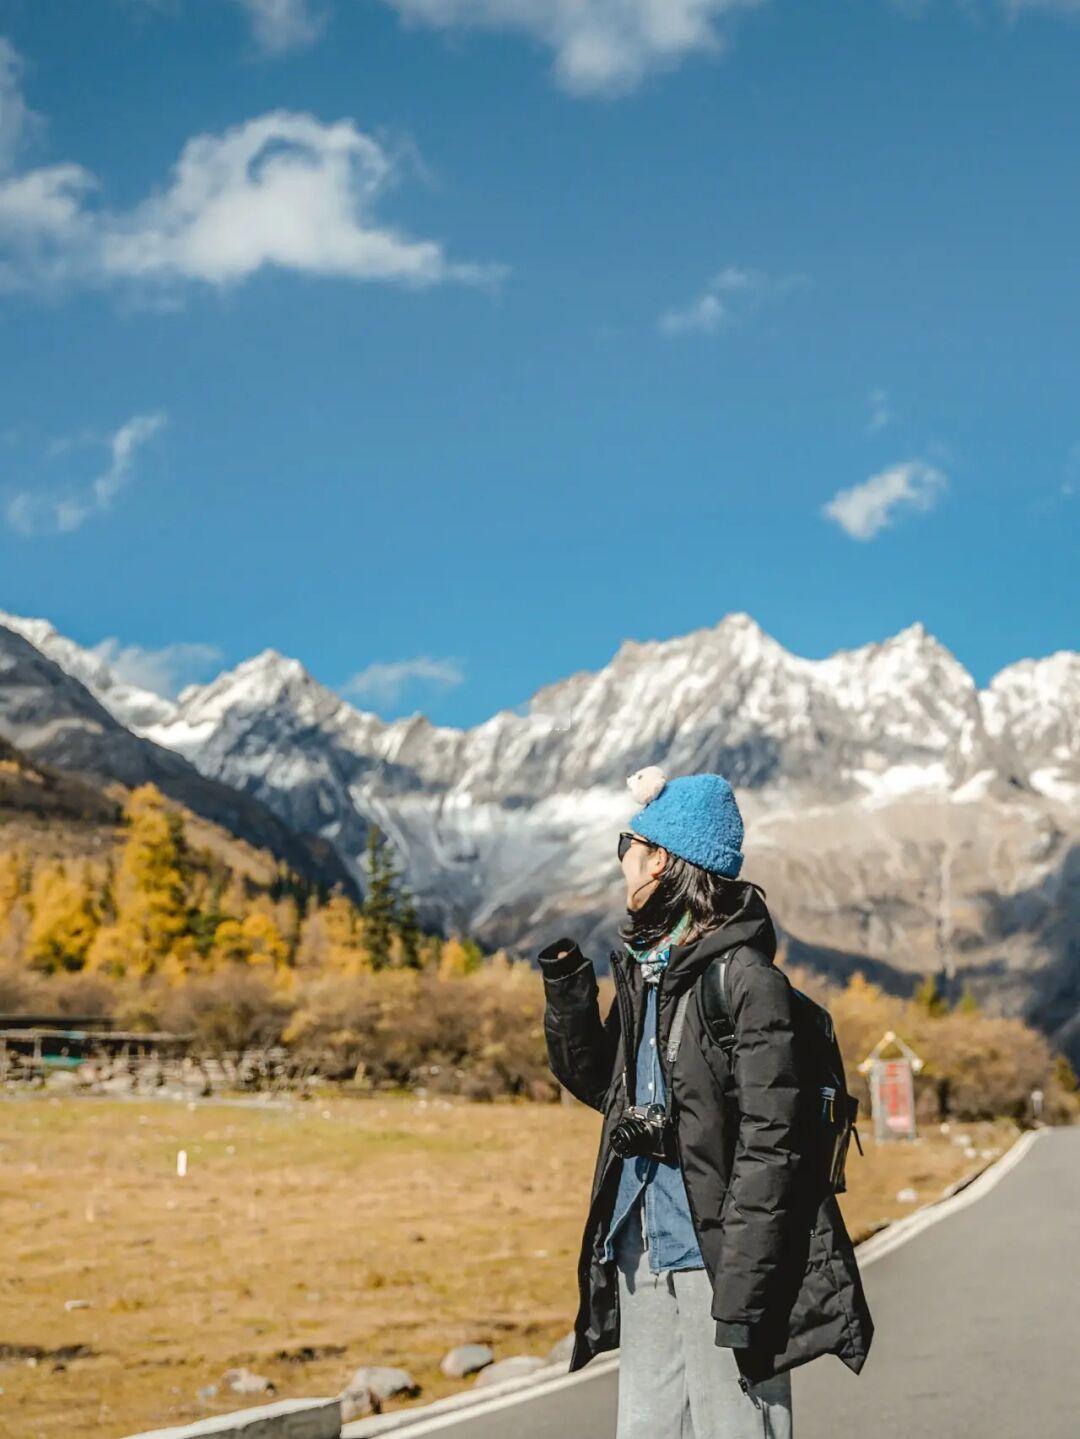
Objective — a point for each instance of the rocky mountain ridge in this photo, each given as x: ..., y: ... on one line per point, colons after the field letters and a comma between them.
x: 901, y: 818
x: 55, y: 720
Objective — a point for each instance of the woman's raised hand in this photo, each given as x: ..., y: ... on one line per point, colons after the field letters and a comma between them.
x: 560, y: 949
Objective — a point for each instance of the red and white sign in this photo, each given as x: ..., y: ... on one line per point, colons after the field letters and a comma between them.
x: 892, y: 1092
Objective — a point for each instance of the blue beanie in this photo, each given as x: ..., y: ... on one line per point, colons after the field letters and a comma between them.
x: 694, y: 816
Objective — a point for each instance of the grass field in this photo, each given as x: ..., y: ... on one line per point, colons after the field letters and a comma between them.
x: 305, y: 1241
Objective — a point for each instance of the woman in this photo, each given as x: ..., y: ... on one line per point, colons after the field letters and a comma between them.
x: 703, y: 1259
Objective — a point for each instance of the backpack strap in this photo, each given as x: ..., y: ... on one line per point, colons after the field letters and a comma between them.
x: 715, y: 1005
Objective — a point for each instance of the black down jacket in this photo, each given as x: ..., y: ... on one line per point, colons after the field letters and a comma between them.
x: 781, y: 1264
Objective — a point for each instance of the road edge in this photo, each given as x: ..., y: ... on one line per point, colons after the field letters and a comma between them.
x: 966, y: 1191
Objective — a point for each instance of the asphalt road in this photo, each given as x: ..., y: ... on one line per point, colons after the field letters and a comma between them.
x: 977, y: 1332
x: 977, y: 1320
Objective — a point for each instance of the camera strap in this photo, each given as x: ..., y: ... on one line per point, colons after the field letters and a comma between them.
x: 675, y: 1037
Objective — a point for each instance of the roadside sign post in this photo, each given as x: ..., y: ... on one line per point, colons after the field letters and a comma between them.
x: 892, y: 1087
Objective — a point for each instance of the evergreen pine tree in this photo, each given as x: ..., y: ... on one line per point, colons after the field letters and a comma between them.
x: 106, y: 894
x: 380, y: 900
x: 929, y: 996
x: 409, y: 932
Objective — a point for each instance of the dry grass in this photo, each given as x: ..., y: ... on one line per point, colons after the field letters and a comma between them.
x: 362, y: 1231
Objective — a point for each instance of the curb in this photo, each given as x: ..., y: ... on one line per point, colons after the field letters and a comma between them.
x: 285, y: 1419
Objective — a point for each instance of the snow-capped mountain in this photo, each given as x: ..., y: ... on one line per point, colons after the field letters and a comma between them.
x: 54, y: 718
x: 135, y: 708
x: 900, y: 817
x: 1036, y: 703
x: 902, y: 715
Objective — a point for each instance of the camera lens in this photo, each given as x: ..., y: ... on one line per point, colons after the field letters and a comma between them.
x: 627, y: 1136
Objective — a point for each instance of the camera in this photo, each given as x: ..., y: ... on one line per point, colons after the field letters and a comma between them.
x: 645, y: 1129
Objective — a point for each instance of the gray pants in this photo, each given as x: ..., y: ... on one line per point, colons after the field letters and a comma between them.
x: 675, y: 1381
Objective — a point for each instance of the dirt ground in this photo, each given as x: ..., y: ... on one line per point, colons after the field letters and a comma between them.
x: 306, y: 1240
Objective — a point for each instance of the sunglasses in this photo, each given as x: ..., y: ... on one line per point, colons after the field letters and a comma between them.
x: 626, y: 839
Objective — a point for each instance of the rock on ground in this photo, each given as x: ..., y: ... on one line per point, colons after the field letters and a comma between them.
x: 514, y: 1367
x: 466, y: 1359
x: 383, y: 1382
x: 560, y: 1352
x: 243, y: 1381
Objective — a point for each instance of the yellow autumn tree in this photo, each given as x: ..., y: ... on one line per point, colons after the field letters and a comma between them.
x: 111, y: 950
x: 265, y: 943
x: 61, y: 920
x: 255, y: 939
x: 456, y: 959
x: 345, y: 952
x: 14, y: 880
x: 182, y: 961
x: 14, y: 919
x: 286, y: 917
x: 151, y: 909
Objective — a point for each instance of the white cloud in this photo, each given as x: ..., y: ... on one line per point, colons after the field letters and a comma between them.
x: 278, y: 26
x: 868, y: 508
x: 600, y: 46
x: 281, y: 25
x: 383, y: 683
x: 164, y: 671
x: 702, y: 316
x: 17, y: 121
x: 281, y: 191
x: 880, y: 412
x: 730, y: 294
x: 32, y: 513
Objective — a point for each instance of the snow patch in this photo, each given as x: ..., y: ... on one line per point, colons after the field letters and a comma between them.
x: 977, y: 787
x: 900, y: 779
x: 1054, y: 784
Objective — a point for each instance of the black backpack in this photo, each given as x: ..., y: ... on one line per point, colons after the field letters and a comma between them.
x: 828, y: 1109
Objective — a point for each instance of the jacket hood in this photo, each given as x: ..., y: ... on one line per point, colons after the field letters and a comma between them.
x: 750, y: 924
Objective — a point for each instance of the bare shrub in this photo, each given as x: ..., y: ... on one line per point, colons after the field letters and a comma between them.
x: 82, y: 993
x: 976, y: 1065
x: 479, y: 1033
x: 228, y: 1011
x: 22, y: 991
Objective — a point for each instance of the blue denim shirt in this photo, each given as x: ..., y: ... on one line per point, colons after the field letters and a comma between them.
x: 669, y: 1229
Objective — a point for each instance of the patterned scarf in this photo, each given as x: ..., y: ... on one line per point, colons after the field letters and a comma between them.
x: 654, y: 961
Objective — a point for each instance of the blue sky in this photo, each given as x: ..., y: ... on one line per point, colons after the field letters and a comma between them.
x: 468, y: 341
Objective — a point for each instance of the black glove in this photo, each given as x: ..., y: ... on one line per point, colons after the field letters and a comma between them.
x: 732, y: 1336
x: 554, y: 963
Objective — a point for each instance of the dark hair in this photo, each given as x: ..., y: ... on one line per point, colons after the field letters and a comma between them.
x: 711, y: 899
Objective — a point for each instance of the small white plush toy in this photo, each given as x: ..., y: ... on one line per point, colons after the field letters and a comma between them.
x: 645, y: 784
